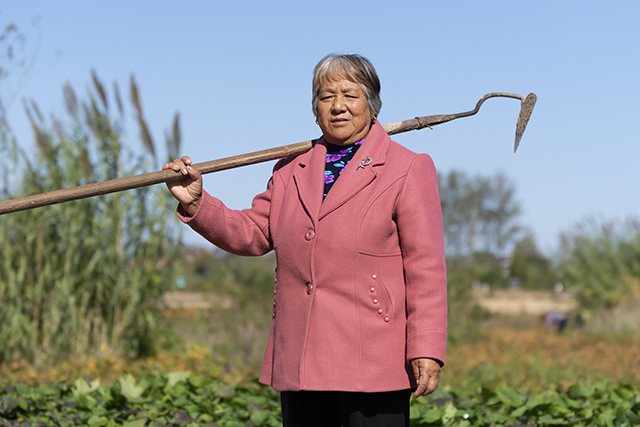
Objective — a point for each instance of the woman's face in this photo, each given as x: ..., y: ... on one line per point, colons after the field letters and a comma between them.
x: 343, y: 112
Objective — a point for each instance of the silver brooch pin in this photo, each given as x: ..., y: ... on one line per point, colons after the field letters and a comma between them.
x: 364, y: 162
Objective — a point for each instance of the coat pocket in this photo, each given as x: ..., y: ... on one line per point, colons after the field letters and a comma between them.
x: 381, y: 301
x: 383, y: 285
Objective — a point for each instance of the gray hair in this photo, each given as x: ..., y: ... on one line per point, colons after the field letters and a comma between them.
x: 355, y: 68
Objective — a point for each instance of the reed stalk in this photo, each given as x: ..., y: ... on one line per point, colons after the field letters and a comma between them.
x: 83, y: 277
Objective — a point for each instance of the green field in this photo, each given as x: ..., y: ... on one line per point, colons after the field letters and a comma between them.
x: 521, y: 374
x: 493, y: 382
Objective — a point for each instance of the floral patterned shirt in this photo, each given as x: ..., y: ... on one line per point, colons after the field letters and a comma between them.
x: 338, y: 157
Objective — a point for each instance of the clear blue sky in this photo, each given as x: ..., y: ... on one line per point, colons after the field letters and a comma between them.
x: 239, y: 73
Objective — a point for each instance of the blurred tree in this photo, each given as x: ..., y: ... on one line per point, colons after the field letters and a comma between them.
x: 479, y: 213
x: 600, y: 263
x: 532, y: 269
x: 500, y: 211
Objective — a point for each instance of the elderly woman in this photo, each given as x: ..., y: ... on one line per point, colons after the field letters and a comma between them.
x: 359, y: 308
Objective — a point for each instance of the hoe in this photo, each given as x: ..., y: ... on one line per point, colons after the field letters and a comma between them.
x: 122, y: 184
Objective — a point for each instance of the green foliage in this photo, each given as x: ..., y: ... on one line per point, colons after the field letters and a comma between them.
x: 480, y: 267
x: 463, y: 272
x: 84, y: 276
x: 182, y: 399
x: 214, y: 270
x: 157, y: 399
x: 479, y: 213
x: 530, y: 267
x: 602, y: 404
x: 241, y: 289
x: 601, y: 263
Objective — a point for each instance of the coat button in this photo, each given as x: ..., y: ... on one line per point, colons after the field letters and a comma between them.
x: 275, y: 291
x: 275, y: 280
x: 372, y: 289
x: 379, y: 311
x: 274, y: 315
x: 375, y: 300
x: 374, y: 277
x: 274, y: 303
x: 309, y: 288
x: 310, y: 234
x: 386, y: 319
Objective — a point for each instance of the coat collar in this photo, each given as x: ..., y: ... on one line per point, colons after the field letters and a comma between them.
x: 310, y: 172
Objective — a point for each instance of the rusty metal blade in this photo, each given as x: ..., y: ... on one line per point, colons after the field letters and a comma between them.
x: 526, y: 109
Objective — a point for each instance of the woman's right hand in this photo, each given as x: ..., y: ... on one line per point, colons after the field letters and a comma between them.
x: 188, y: 190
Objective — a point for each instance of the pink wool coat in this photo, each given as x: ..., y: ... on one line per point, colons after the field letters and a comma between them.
x: 360, y: 287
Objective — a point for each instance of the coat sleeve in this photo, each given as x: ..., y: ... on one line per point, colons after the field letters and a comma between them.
x: 419, y: 221
x: 241, y: 232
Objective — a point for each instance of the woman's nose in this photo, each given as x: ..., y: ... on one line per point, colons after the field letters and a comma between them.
x: 338, y: 104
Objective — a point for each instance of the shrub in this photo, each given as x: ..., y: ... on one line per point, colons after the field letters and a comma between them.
x: 601, y: 263
x: 83, y: 276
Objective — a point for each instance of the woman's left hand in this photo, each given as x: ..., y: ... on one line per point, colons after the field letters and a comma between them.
x: 427, y: 373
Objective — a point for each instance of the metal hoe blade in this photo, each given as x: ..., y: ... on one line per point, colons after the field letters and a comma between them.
x: 526, y: 109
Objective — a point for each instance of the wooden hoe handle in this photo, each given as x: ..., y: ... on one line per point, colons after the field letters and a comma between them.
x: 122, y: 184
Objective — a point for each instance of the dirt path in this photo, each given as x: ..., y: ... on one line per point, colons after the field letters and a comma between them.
x: 195, y: 300
x: 518, y: 301
x: 510, y: 302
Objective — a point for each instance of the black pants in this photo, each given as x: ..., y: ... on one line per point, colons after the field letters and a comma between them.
x: 347, y: 409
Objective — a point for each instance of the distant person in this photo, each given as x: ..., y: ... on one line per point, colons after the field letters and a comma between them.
x: 360, y: 312
x: 556, y: 319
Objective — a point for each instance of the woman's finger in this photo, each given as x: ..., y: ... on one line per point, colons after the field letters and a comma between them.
x: 432, y: 385
x: 176, y: 165
x: 419, y: 376
x: 194, y: 174
x: 427, y: 374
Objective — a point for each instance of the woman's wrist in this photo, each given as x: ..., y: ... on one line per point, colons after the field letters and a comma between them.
x: 192, y: 208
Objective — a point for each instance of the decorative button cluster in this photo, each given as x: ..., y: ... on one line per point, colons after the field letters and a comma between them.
x: 275, y: 292
x: 375, y: 300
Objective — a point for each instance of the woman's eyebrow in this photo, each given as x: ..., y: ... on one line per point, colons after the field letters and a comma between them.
x: 332, y: 91
x: 327, y: 90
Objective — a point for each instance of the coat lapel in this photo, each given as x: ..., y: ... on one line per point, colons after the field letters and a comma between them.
x: 309, y: 179
x: 354, y: 178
